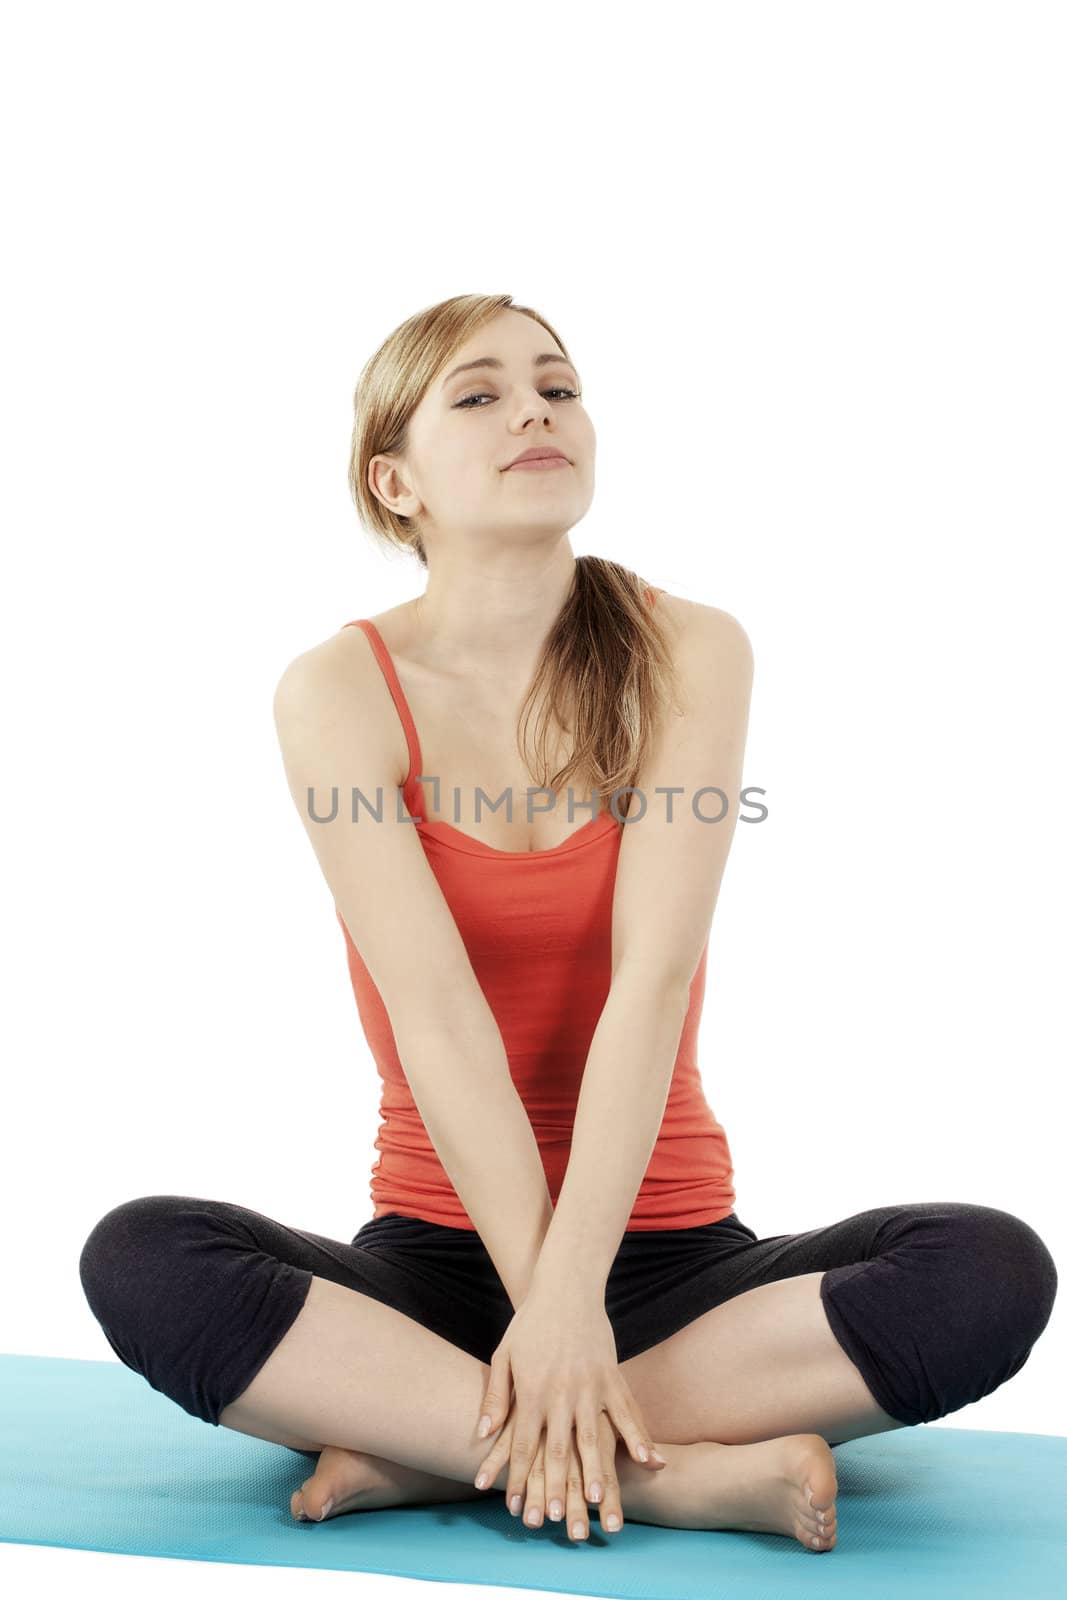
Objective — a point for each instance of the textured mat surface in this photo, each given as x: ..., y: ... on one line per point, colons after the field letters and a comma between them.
x: 94, y: 1459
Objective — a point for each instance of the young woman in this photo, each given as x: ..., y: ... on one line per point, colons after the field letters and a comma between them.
x: 554, y: 1241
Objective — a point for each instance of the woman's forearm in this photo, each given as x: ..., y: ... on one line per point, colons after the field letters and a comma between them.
x: 462, y: 1085
x: 623, y: 1096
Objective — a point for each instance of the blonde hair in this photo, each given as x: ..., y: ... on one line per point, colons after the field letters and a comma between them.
x: 606, y: 660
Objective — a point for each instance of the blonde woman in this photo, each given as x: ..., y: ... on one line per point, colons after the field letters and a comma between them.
x: 535, y: 769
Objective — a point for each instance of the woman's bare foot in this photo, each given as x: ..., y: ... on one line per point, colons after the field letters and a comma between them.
x: 355, y: 1481
x: 776, y: 1486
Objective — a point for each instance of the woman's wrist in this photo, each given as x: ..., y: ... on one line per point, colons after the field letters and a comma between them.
x: 571, y: 1285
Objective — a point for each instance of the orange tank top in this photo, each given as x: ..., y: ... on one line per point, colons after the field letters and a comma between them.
x: 537, y: 928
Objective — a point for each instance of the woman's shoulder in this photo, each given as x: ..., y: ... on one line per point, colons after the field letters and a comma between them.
x: 341, y: 674
x: 343, y: 664
x: 347, y: 648
x: 697, y: 625
x: 708, y: 646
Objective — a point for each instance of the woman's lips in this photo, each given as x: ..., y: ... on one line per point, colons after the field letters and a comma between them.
x: 538, y: 466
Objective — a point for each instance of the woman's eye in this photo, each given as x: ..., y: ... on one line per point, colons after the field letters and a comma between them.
x: 468, y: 399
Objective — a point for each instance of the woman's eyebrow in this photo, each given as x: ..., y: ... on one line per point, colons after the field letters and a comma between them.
x: 492, y: 361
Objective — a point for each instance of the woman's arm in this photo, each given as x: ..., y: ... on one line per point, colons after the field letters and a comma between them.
x: 331, y: 716
x: 667, y: 884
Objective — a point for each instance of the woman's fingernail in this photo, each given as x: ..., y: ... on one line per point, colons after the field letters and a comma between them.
x: 481, y: 1480
x: 515, y: 1503
x: 657, y: 1457
x: 325, y: 1512
x: 613, y: 1522
x: 595, y: 1492
x: 642, y: 1451
x: 484, y: 1426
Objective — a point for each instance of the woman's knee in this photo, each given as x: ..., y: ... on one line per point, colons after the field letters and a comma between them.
x: 947, y: 1307
x: 150, y: 1270
x: 1000, y: 1256
x: 997, y: 1287
x: 1018, y: 1267
x: 992, y: 1257
x: 125, y: 1248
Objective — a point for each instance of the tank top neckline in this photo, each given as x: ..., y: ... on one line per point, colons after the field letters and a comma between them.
x: 596, y: 827
x: 454, y: 837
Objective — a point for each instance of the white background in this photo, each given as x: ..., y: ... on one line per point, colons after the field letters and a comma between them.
x: 810, y: 261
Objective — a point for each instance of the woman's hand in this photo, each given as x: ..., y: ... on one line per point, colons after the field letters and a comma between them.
x: 558, y: 1356
x: 577, y: 1515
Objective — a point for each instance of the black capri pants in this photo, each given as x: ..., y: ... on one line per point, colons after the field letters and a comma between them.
x: 937, y: 1304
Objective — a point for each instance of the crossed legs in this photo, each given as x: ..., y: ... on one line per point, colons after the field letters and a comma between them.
x: 941, y: 1302
x: 354, y: 1373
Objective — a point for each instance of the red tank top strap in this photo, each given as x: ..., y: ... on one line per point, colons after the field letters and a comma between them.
x: 411, y: 791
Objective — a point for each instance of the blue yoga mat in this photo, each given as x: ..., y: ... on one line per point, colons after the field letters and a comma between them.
x: 95, y: 1459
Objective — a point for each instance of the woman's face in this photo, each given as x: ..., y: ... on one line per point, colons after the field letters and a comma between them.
x: 470, y: 425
